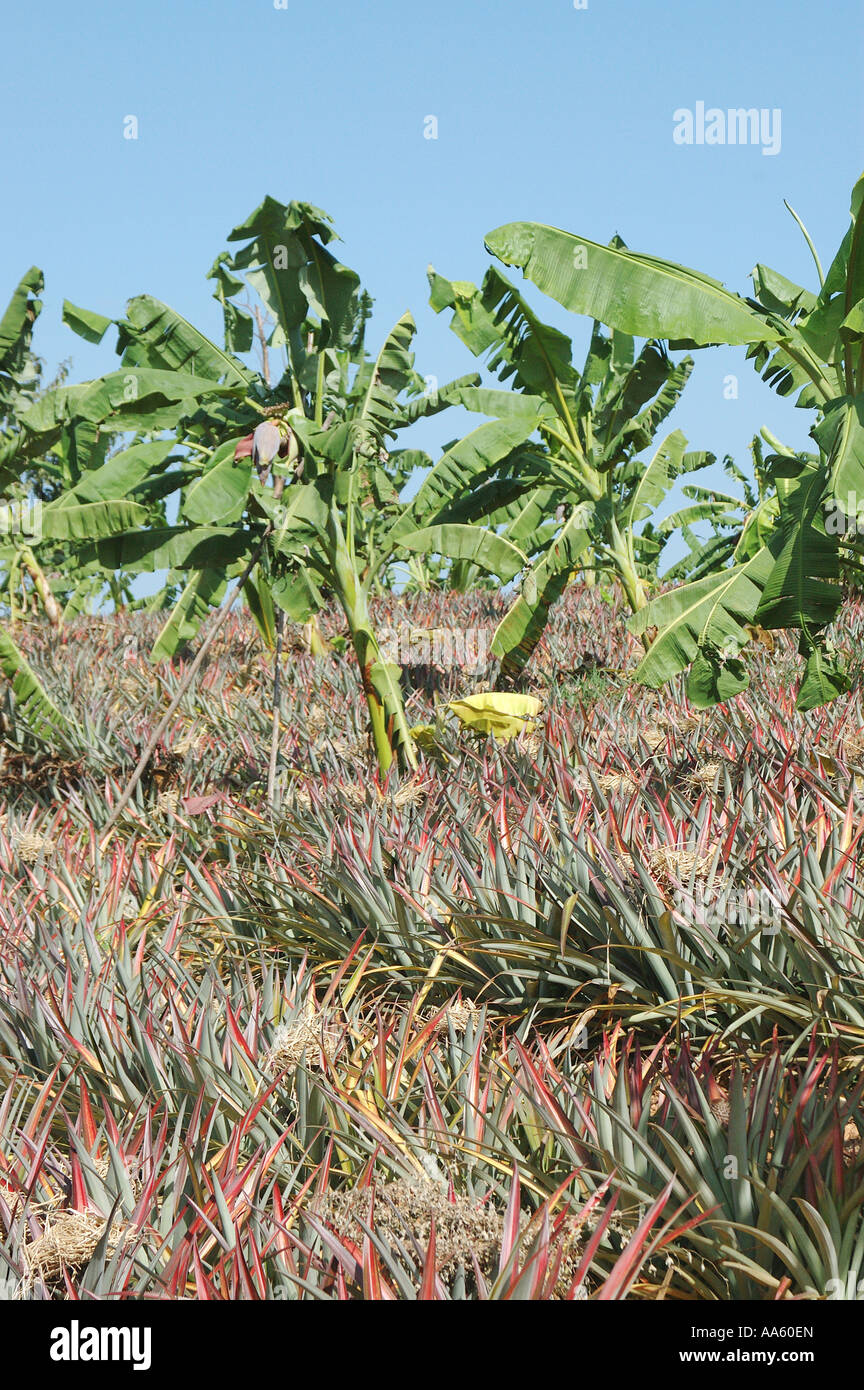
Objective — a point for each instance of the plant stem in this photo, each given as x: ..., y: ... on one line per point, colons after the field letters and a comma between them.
x: 277, y: 707
x: 43, y: 588
x: 621, y: 553
x: 366, y: 656
x: 278, y: 489
x: 390, y: 731
x: 813, y: 252
x: 262, y: 340
x: 319, y: 391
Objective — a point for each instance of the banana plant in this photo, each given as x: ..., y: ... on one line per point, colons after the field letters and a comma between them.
x: 38, y: 517
x: 581, y: 499
x: 737, y: 524
x: 810, y: 343
x: 19, y: 379
x: 59, y: 491
x: 297, y: 486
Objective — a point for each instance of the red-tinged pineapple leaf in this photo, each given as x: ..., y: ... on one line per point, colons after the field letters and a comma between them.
x: 203, y: 1288
x: 257, y: 1265
x: 346, y: 1253
x: 626, y: 1266
x: 533, y: 1273
x: 510, y: 1233
x: 479, y: 1279
x: 46, y: 1094
x: 372, y: 1283
x: 244, y: 1277
x: 78, y: 1199
x: 593, y: 1244
x: 89, y: 1131
x: 237, y: 1035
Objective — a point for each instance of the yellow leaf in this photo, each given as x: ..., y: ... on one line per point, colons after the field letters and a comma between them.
x: 493, y: 712
x: 424, y: 736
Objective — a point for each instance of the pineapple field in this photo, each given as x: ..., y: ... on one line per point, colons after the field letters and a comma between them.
x: 572, y: 1013
x: 430, y: 866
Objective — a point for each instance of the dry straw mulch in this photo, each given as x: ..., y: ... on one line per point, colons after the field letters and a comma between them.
x: 466, y: 1228
x: 29, y: 845
x: 681, y: 864
x: 310, y: 1035
x: 402, y: 1208
x: 459, y: 1015
x: 620, y: 782
x: 69, y: 1241
x: 705, y: 775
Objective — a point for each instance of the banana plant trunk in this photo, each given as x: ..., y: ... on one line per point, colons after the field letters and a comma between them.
x: 390, y: 732
x: 632, y: 582
x: 50, y: 605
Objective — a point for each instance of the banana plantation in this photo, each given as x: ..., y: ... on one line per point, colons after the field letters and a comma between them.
x: 433, y: 873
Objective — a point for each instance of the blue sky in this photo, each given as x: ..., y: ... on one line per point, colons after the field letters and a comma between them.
x: 545, y: 112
